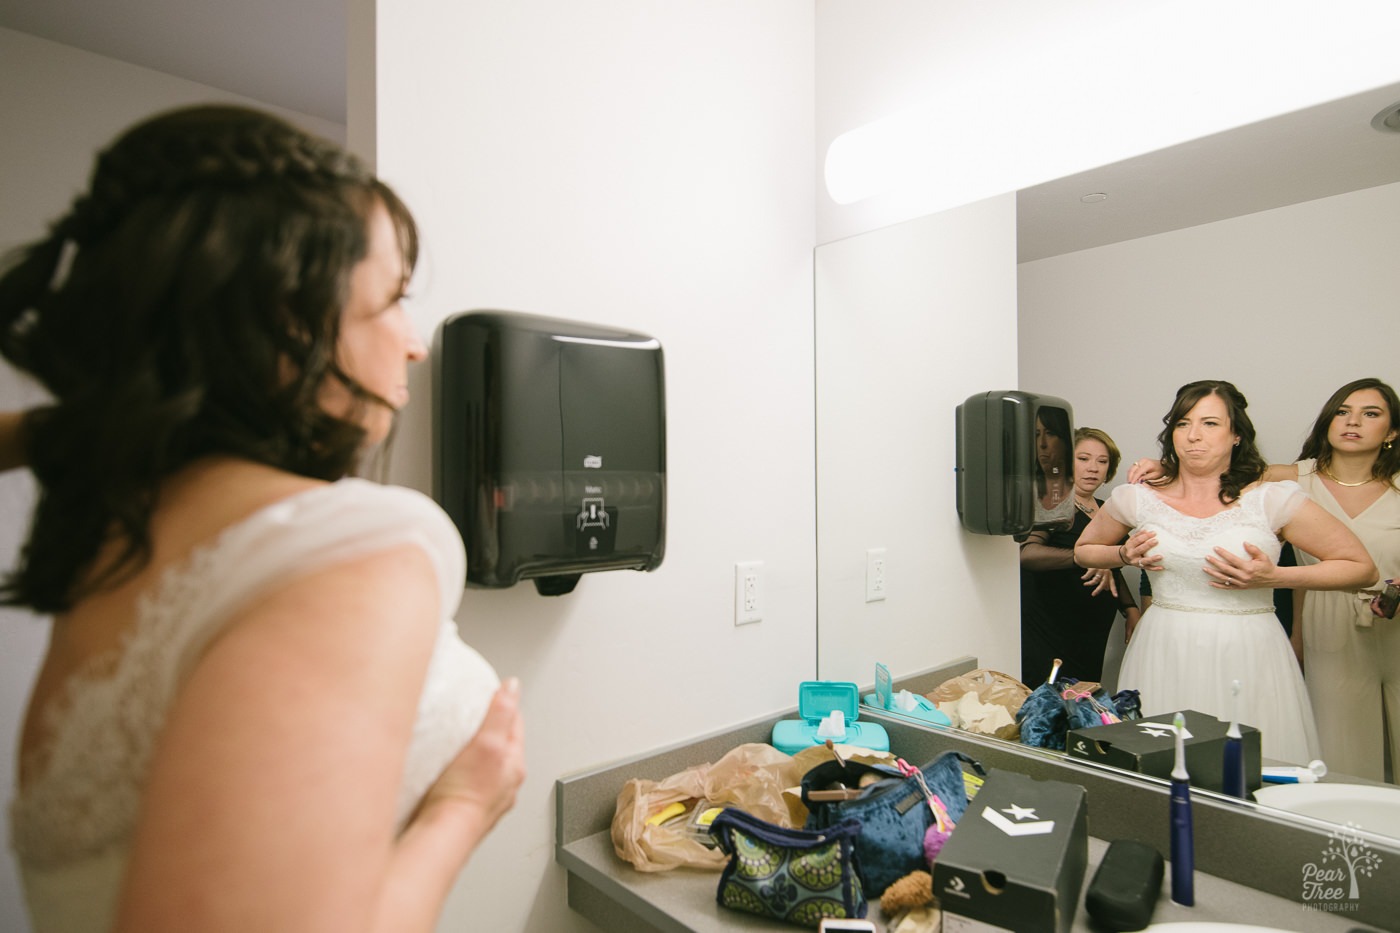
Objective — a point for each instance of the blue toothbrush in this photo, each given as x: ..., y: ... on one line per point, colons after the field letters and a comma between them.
x: 1183, y: 845
x: 1232, y: 778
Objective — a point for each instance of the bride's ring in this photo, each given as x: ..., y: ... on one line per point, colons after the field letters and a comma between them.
x: 1229, y: 582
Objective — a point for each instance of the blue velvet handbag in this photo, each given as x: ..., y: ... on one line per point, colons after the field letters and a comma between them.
x: 791, y: 875
x: 893, y: 812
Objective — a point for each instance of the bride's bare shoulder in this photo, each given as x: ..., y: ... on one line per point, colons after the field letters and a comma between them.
x: 206, y: 497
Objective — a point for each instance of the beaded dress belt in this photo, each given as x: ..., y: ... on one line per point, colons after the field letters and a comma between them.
x: 1227, y: 612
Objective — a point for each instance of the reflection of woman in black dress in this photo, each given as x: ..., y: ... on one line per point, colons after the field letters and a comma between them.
x: 1066, y: 611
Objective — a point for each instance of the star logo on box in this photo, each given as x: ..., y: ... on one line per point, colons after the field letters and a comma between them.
x: 1162, y: 731
x: 1025, y: 821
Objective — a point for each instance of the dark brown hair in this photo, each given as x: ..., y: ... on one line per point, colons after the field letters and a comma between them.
x: 1246, y: 463
x: 1318, y: 447
x: 187, y: 305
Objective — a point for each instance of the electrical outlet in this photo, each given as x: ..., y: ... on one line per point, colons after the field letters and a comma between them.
x: 874, y: 574
x: 748, y: 592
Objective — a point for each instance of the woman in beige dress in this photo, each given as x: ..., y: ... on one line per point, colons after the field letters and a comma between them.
x: 1350, y: 465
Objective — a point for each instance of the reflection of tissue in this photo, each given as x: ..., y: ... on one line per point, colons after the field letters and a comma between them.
x: 969, y: 713
x: 905, y: 702
x: 833, y: 726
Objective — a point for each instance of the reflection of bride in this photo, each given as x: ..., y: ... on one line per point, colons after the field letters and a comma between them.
x: 1054, y: 483
x: 1211, y: 533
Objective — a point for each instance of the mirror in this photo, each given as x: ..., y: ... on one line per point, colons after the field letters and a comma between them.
x: 1261, y: 255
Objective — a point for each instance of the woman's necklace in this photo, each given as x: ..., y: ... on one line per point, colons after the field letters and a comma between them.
x: 1328, y: 473
x: 1089, y: 509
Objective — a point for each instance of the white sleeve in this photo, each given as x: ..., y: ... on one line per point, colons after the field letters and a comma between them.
x: 1122, y: 504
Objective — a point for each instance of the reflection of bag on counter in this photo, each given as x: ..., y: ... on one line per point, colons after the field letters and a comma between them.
x: 789, y: 874
x: 894, y: 813
x: 1052, y: 710
x: 965, y: 698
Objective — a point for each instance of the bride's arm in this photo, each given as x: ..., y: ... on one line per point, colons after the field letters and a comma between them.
x: 1342, y: 560
x: 271, y: 800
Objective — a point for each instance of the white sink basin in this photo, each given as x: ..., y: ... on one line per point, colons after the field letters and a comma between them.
x: 1373, y: 807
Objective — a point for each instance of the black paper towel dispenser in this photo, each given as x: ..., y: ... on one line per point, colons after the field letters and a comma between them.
x: 549, y: 447
x: 1015, y: 453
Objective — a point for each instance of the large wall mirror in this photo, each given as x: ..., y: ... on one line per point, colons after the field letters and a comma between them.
x: 1263, y: 255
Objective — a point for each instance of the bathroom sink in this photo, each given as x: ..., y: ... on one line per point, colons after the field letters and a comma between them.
x: 1373, y: 807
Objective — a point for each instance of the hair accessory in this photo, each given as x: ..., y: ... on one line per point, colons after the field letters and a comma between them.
x: 67, y: 251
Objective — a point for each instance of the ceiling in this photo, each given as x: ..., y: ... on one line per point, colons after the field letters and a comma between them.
x: 1312, y: 153
x: 292, y: 53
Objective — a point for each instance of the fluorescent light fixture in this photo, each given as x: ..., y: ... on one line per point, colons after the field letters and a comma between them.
x: 874, y: 158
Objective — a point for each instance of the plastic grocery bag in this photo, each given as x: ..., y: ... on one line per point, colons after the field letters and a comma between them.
x: 755, y: 777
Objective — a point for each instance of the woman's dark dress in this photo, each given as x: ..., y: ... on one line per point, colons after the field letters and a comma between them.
x: 1059, y: 619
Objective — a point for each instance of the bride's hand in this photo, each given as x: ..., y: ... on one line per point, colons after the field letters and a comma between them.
x: 1231, y: 572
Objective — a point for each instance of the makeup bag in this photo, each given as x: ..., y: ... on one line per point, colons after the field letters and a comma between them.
x: 791, y: 875
x: 894, y: 811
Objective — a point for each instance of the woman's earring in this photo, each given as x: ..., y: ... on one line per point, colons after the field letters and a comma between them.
x: 1387, y: 445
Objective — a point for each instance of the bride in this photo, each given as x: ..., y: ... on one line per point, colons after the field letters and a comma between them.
x: 1210, y: 530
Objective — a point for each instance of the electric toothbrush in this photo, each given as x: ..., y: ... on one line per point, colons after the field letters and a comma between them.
x: 1232, y: 779
x: 1183, y: 845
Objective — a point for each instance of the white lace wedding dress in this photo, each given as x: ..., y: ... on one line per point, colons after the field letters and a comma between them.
x: 71, y: 824
x: 1196, y: 639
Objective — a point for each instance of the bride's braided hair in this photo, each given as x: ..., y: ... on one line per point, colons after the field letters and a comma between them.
x: 188, y: 304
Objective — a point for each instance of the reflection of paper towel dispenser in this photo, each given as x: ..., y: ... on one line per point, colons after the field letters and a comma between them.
x: 550, y: 447
x: 1015, y: 454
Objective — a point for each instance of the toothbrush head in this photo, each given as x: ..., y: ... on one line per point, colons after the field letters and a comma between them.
x: 1234, y: 731
x: 1179, y: 772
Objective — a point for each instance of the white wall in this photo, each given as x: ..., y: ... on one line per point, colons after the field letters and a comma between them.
x: 645, y: 165
x: 1288, y: 304
x: 1018, y: 92
x: 911, y: 320
x: 58, y: 106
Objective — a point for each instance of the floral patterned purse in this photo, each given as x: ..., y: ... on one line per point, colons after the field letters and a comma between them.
x: 794, y: 875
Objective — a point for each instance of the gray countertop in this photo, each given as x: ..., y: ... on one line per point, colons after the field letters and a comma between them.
x: 1251, y: 863
x: 683, y: 900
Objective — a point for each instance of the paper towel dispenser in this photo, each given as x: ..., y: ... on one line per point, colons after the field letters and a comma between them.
x: 549, y: 447
x: 1015, y: 453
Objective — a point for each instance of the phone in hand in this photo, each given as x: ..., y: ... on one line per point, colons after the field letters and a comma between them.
x: 1385, y: 604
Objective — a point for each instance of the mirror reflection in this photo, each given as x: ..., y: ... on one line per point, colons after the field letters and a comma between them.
x: 1188, y: 270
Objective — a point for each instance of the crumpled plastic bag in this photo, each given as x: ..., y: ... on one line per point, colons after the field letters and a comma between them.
x: 755, y: 777
x: 988, y: 687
